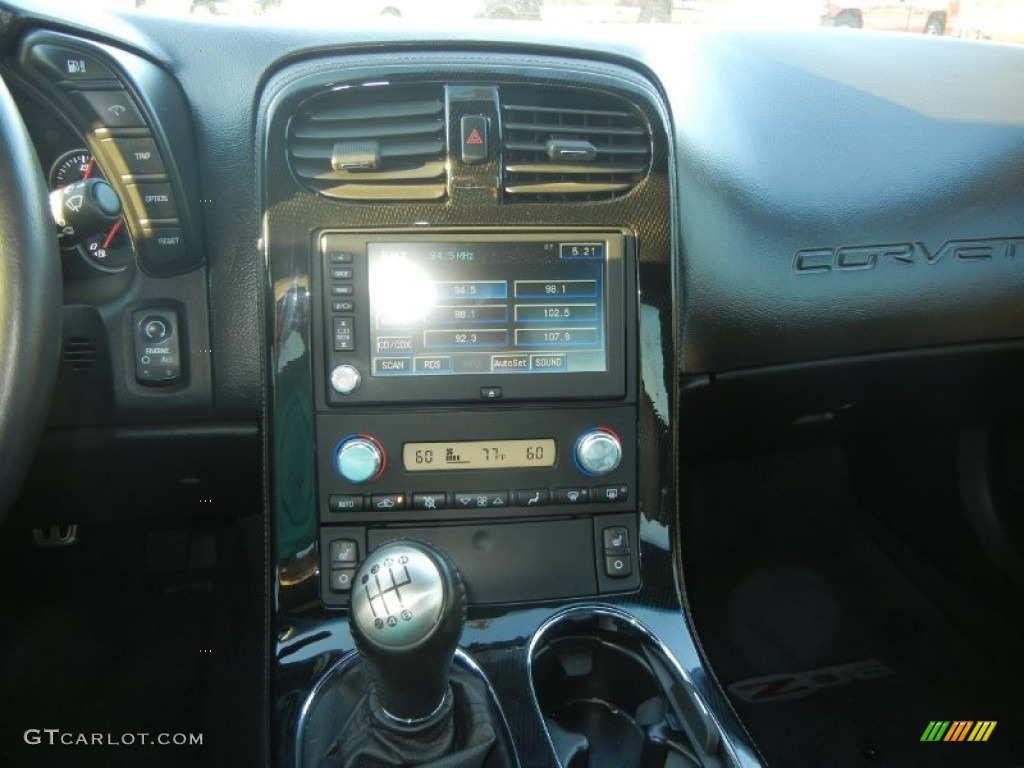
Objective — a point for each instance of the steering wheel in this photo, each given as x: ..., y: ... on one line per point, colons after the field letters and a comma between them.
x: 30, y: 301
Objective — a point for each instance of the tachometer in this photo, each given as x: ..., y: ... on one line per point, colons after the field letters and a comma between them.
x: 76, y: 165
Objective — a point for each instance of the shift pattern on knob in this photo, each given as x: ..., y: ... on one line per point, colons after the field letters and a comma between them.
x: 399, y: 597
x: 408, y: 607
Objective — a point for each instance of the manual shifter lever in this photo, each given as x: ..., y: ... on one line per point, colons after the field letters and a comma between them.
x: 408, y: 608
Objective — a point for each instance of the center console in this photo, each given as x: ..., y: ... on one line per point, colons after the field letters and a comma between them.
x: 472, y: 362
x: 477, y: 390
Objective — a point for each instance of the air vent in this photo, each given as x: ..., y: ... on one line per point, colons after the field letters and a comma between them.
x: 372, y: 143
x: 79, y: 353
x: 571, y: 145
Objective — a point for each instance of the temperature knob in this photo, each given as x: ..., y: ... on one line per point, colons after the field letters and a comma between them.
x: 598, y: 451
x: 359, y: 459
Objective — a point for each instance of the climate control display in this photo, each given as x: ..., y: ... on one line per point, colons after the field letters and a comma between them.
x: 479, y: 454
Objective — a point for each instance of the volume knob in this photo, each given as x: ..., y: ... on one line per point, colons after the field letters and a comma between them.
x: 598, y: 451
x: 359, y: 459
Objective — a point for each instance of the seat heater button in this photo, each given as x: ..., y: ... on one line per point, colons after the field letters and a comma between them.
x: 344, y: 551
x: 616, y: 540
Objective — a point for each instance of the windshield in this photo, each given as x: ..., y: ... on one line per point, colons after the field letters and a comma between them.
x: 997, y: 20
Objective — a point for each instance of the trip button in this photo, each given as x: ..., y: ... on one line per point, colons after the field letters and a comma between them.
x: 108, y: 109
x: 132, y: 157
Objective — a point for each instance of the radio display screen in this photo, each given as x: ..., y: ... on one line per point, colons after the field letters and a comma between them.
x: 449, y: 308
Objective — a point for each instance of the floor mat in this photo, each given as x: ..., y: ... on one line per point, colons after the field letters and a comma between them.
x: 817, y: 625
x: 111, y: 650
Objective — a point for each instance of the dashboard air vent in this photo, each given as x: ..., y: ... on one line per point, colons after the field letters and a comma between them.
x: 372, y: 143
x: 574, y: 145
x: 79, y: 353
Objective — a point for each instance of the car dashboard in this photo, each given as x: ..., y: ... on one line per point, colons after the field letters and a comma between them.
x: 505, y: 292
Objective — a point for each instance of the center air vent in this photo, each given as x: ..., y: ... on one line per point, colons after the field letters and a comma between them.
x: 571, y: 145
x: 372, y: 143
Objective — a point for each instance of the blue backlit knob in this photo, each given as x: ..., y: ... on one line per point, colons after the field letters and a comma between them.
x: 598, y: 451
x: 359, y: 459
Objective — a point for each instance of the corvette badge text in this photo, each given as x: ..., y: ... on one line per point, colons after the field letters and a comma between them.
x: 856, y: 258
x: 56, y: 737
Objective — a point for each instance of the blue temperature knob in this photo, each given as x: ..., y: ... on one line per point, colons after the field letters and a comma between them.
x: 359, y: 459
x: 598, y: 451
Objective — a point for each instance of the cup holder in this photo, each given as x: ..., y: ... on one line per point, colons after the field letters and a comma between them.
x: 610, y: 697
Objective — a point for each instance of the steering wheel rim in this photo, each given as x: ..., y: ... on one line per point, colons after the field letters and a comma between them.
x: 30, y: 301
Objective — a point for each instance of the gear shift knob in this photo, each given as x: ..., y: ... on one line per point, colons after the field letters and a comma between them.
x: 408, y: 608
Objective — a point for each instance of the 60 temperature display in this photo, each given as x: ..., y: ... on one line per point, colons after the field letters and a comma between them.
x: 479, y: 454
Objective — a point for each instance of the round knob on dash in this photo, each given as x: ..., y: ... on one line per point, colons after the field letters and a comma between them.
x: 345, y: 379
x: 598, y: 451
x: 359, y: 459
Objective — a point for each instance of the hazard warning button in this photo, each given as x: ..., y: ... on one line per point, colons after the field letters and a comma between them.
x: 474, y: 139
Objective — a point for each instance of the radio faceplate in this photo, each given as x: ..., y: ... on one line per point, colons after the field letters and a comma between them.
x: 472, y: 316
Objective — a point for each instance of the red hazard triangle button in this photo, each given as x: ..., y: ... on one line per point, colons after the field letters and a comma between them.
x: 474, y: 138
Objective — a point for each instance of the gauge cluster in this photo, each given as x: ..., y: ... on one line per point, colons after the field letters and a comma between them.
x: 79, y: 191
